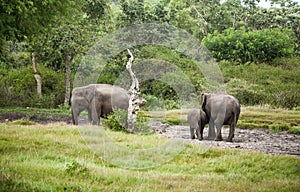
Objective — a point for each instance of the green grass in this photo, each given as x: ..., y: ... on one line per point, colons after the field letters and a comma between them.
x: 55, y: 157
x: 251, y: 117
x: 23, y: 122
x: 31, y: 111
x: 275, y: 120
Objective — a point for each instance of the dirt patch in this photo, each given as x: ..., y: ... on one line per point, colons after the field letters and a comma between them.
x: 41, y: 118
x: 250, y: 139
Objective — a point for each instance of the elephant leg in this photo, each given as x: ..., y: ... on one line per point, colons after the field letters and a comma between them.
x: 219, y: 132
x: 231, y: 132
x: 201, y: 132
x: 75, y: 117
x: 94, y: 117
x: 198, y: 133
x: 90, y: 116
x: 192, y: 133
x: 211, y: 130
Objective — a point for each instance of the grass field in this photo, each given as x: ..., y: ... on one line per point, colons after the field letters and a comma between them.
x: 251, y: 117
x: 56, y: 157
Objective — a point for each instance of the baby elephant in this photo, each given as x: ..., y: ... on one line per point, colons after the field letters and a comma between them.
x: 197, y: 119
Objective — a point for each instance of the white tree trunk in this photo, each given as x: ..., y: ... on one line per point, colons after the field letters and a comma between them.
x: 68, y: 73
x: 134, y: 97
x: 37, y: 76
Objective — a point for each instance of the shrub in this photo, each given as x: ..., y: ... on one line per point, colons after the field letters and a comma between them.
x: 259, y: 46
x: 19, y: 88
x: 279, y: 127
x: 246, y: 93
x: 117, y: 120
x: 23, y: 122
x: 255, y: 84
x: 155, y: 103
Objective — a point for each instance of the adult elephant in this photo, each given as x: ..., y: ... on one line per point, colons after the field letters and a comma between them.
x: 197, y: 120
x: 99, y: 100
x: 221, y: 109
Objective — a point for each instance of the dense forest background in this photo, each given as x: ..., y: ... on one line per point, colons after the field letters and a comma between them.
x: 257, y: 48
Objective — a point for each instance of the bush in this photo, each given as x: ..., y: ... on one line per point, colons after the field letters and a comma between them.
x: 23, y: 122
x: 246, y: 93
x: 117, y: 120
x: 155, y: 103
x: 19, y: 88
x: 257, y: 84
x: 258, y: 46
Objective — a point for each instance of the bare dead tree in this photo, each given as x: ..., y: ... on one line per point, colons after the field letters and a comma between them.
x: 134, y: 97
x: 68, y: 73
x: 36, y: 76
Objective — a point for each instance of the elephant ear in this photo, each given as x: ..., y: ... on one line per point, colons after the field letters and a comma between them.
x: 89, y: 93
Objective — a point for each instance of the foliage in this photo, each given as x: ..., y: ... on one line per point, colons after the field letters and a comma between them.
x: 258, y: 46
x: 23, y: 20
x: 23, y: 122
x: 76, y: 169
x: 61, y: 32
x: 158, y: 103
x: 294, y: 130
x: 116, y: 121
x: 245, y: 92
x: 19, y: 88
x: 263, y: 84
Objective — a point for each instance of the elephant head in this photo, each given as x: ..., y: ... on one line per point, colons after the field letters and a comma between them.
x: 82, y: 99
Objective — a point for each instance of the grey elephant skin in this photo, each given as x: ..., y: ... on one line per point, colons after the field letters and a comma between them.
x: 221, y: 109
x: 99, y: 100
x: 197, y: 120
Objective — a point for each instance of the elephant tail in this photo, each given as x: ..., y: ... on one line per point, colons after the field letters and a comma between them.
x: 236, y: 114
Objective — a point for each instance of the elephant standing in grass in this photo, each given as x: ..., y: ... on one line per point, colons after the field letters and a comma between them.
x: 197, y: 120
x: 221, y: 109
x: 99, y: 100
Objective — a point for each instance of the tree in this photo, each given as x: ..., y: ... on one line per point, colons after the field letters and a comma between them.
x: 258, y: 46
x: 37, y: 76
x: 69, y: 38
x: 21, y: 20
x: 134, y: 97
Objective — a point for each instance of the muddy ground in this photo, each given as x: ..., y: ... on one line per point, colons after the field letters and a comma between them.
x: 248, y: 139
